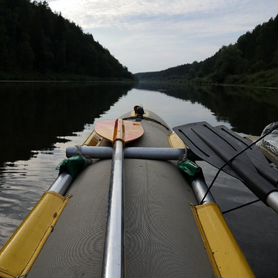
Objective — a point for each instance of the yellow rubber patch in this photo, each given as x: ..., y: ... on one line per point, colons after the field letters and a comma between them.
x: 224, y: 252
x: 175, y: 141
x: 22, y: 249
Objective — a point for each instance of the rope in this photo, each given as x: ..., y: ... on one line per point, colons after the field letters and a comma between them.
x: 78, y: 149
x: 79, y: 152
x: 241, y: 206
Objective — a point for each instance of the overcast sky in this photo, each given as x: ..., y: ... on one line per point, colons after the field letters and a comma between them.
x: 150, y: 35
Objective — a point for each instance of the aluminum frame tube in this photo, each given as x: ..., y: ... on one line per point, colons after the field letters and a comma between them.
x: 131, y: 152
x: 113, y: 254
x: 272, y: 200
x: 61, y: 184
x: 200, y: 188
x: 154, y: 153
x: 91, y: 152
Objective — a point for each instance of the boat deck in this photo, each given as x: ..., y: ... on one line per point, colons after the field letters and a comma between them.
x: 161, y: 235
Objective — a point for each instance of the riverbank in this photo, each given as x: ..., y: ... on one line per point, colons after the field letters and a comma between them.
x: 71, y: 81
x: 234, y: 81
x: 51, y: 77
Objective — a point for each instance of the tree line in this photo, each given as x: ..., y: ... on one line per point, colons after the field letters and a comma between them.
x: 37, y: 43
x: 252, y: 59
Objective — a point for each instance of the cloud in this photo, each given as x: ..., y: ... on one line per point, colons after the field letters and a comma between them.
x: 162, y: 33
x: 95, y: 13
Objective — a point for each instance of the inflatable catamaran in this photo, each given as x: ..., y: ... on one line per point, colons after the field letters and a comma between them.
x: 131, y: 202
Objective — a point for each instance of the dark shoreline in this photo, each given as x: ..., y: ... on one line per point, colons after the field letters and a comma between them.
x: 68, y: 81
x: 202, y: 84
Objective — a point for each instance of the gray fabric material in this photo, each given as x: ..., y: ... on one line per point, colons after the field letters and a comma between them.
x: 161, y: 236
x: 154, y: 136
x: 75, y: 248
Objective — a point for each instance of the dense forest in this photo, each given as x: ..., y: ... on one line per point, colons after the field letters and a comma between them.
x: 252, y: 60
x: 36, y: 43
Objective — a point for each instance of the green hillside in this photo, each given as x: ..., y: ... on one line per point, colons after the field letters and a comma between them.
x: 253, y: 61
x: 36, y: 43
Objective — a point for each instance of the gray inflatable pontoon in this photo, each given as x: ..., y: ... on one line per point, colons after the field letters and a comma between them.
x: 165, y: 232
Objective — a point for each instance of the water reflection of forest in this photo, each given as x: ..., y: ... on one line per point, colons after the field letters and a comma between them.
x: 33, y: 115
x: 247, y: 110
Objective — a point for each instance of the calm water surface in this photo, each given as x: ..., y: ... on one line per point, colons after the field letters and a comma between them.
x: 38, y: 122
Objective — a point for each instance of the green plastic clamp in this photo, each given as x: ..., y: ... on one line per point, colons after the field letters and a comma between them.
x: 190, y: 168
x: 74, y: 165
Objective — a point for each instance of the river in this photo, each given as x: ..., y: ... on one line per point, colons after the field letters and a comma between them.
x: 39, y: 120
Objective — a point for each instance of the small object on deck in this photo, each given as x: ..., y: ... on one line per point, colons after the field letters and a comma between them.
x: 139, y: 111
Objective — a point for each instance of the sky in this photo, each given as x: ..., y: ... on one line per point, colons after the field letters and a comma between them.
x: 152, y: 35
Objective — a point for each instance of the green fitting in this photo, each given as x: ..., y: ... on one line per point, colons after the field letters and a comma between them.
x: 74, y: 165
x: 190, y: 168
